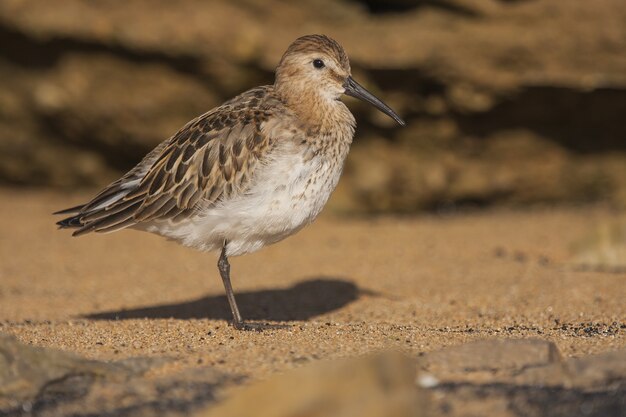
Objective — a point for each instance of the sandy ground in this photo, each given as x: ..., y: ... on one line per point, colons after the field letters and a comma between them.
x: 344, y: 285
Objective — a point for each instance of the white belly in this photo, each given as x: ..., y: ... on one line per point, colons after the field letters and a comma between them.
x: 287, y: 193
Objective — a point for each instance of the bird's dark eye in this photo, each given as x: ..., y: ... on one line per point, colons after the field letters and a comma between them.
x: 318, y: 63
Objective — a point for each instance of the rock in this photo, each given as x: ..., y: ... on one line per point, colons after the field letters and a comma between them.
x: 47, y: 382
x: 520, y: 361
x: 382, y: 385
x: 499, y: 378
x: 25, y: 372
x: 420, y: 173
x: 598, y: 369
x: 588, y: 373
x: 523, y: 377
x: 507, y: 102
x: 489, y: 357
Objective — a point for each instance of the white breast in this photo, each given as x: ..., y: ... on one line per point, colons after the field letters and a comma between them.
x: 288, y: 192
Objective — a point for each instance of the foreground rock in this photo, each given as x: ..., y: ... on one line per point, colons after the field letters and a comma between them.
x: 507, y: 102
x: 380, y: 386
x: 524, y: 377
x: 498, y: 378
x: 489, y: 359
x: 46, y: 382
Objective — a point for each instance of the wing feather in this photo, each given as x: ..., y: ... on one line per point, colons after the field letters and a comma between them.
x: 208, y: 159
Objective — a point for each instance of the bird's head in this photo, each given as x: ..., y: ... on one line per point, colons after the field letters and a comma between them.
x: 316, y: 67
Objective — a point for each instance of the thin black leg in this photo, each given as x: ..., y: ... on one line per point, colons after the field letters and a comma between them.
x: 224, y: 267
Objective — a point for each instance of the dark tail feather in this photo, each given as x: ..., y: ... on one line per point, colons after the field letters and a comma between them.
x: 70, y: 222
x: 70, y: 210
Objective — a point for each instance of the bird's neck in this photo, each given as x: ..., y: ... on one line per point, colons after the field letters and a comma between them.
x: 318, y: 113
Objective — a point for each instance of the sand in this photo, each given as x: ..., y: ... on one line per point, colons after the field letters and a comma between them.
x: 344, y: 286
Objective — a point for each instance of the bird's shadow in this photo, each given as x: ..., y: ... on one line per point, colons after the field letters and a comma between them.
x: 303, y: 301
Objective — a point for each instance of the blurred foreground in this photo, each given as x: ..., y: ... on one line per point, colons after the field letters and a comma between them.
x: 152, y: 317
x: 499, y: 378
x: 507, y: 102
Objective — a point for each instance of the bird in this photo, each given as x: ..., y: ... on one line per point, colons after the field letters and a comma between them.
x: 248, y: 173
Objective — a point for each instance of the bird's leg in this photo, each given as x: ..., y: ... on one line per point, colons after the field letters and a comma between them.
x: 224, y: 267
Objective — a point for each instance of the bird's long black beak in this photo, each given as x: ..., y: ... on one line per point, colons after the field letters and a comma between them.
x: 354, y: 89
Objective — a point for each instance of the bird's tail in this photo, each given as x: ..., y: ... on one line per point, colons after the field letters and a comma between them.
x: 72, y: 221
x: 107, y: 212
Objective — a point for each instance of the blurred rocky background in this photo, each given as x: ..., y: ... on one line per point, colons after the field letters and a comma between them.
x: 508, y: 102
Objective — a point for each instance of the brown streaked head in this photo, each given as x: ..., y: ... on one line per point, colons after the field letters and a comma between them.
x: 316, y: 67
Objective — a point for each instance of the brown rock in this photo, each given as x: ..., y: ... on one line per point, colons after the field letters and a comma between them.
x: 382, y: 385
x: 48, y: 382
x: 524, y: 377
x: 588, y: 372
x: 485, y: 358
x: 25, y: 371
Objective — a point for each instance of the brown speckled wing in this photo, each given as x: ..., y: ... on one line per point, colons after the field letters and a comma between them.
x: 209, y: 159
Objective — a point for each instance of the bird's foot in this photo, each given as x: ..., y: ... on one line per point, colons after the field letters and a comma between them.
x: 258, y: 327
